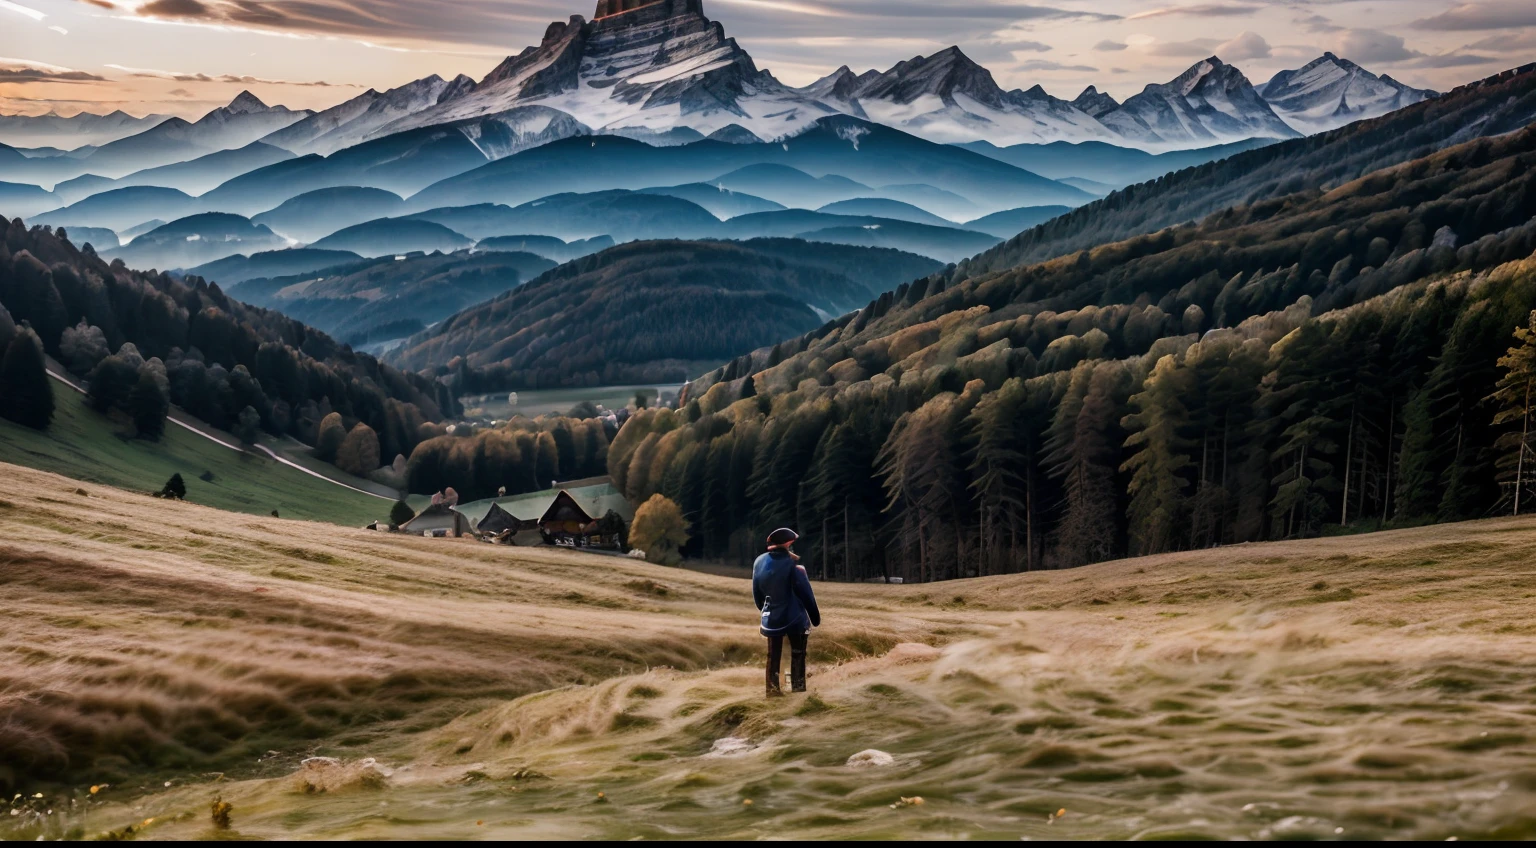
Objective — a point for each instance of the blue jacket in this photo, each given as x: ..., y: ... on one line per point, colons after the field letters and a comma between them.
x: 782, y: 590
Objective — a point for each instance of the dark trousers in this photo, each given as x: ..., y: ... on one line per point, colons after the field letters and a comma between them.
x: 797, y: 642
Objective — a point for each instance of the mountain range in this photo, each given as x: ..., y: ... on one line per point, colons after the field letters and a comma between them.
x: 664, y: 73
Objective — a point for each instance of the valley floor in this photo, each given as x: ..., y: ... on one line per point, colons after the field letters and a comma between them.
x: 1366, y: 687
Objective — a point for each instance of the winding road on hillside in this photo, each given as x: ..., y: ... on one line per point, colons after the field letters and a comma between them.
x: 181, y: 419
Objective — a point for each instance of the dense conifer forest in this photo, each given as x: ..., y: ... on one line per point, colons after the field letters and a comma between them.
x: 191, y: 345
x: 1312, y: 363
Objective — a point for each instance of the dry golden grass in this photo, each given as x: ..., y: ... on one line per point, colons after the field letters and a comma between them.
x: 1374, y: 686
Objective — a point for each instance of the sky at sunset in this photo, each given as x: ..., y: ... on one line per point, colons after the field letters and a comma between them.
x: 185, y: 56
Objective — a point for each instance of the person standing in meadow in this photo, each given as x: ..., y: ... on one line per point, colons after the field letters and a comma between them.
x: 782, y: 591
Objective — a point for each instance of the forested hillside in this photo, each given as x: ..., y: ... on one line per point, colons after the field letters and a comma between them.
x: 653, y: 312
x: 1314, y: 360
x: 1497, y: 105
x: 208, y: 353
x: 390, y: 298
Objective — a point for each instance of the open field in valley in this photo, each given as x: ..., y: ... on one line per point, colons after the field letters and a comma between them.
x: 85, y: 445
x: 1362, y: 687
x: 535, y: 402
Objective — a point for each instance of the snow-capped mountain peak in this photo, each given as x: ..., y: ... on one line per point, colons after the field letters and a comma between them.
x: 663, y: 72
x: 948, y: 97
x: 1187, y: 82
x: 636, y: 67
x: 355, y: 120
x: 1211, y: 103
x: 246, y: 103
x: 1329, y: 92
x: 1095, y: 102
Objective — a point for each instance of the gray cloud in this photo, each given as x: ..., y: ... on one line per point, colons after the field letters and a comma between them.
x: 1317, y: 24
x: 148, y: 73
x: 20, y: 75
x: 1493, y: 14
x: 1046, y: 65
x: 508, y: 25
x: 1107, y: 46
x: 1198, y: 48
x: 1509, y: 42
x: 1454, y: 59
x: 1370, y: 45
x: 1247, y: 45
x: 174, y: 9
x: 1201, y: 10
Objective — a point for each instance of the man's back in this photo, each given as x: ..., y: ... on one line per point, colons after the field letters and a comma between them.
x: 782, y: 591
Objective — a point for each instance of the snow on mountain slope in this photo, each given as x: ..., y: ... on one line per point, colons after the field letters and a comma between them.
x: 355, y: 120
x: 658, y: 67
x: 1330, y: 92
x: 949, y: 98
x: 1210, y: 103
x: 1095, y: 102
x: 244, y: 120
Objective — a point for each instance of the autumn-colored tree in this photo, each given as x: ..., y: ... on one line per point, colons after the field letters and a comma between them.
x: 332, y: 433
x: 660, y: 530
x: 1513, y: 399
x: 359, y: 453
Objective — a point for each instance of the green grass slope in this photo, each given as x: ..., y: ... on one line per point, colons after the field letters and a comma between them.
x: 87, y: 446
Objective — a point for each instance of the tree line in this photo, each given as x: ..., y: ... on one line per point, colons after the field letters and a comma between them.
x: 145, y: 341
x: 1316, y: 363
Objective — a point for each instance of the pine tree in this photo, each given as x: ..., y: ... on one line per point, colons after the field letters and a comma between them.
x: 148, y: 406
x: 1159, y: 486
x: 1005, y: 436
x: 175, y: 488
x: 248, y: 426
x: 111, y: 382
x: 400, y: 513
x: 1513, y: 400
x: 1085, y: 454
x: 26, y: 392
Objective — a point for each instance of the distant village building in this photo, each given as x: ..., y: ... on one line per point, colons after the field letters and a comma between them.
x: 439, y: 519
x: 503, y: 527
x: 587, y: 513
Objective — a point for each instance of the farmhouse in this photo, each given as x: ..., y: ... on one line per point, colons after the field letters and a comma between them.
x: 439, y: 520
x: 585, y: 513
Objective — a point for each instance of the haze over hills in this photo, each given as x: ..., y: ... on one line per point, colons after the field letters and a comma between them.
x: 83, y: 128
x: 650, y: 311
x: 316, y: 214
x: 196, y: 240
x: 381, y: 300
x: 867, y: 153
x: 394, y: 236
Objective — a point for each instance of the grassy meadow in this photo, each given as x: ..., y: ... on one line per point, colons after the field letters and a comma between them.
x: 536, y: 402
x: 172, y: 656
x: 88, y: 446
